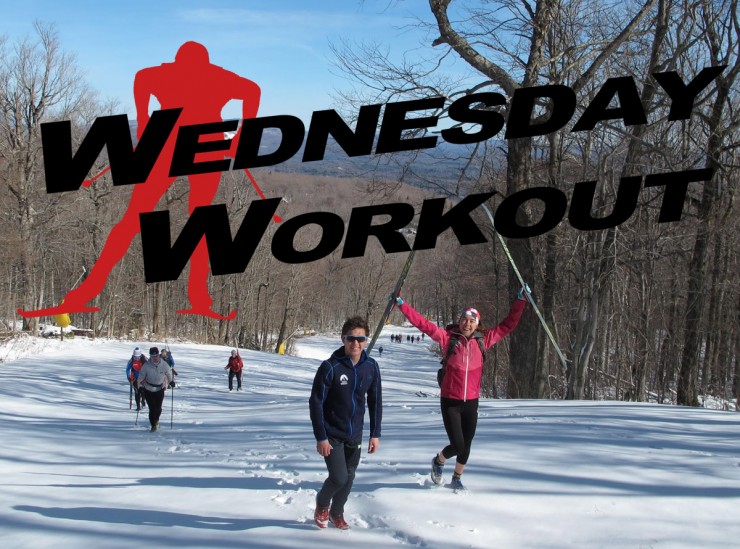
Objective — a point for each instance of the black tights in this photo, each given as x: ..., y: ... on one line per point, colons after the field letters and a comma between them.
x: 460, y: 418
x: 138, y: 395
x: 238, y: 376
x: 154, y: 400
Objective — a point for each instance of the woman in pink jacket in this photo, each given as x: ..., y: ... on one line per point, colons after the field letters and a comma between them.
x: 463, y: 370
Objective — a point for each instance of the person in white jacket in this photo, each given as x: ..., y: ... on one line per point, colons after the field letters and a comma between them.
x: 155, y: 376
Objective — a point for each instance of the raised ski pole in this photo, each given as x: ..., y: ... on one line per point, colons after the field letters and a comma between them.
x: 241, y: 372
x: 391, y: 302
x: 172, y: 400
x: 536, y: 309
x: 172, y: 390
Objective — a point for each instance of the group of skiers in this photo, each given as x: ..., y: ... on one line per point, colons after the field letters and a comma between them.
x: 398, y: 338
x: 350, y: 379
x: 149, y: 378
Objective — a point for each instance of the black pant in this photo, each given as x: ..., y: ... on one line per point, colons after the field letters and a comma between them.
x: 460, y: 418
x: 238, y: 375
x: 154, y: 400
x: 342, y: 463
x: 138, y: 395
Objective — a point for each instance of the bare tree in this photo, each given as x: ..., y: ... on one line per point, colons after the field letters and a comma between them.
x: 719, y: 28
x: 38, y: 82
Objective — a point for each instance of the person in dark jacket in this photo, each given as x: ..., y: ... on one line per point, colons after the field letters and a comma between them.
x: 169, y: 359
x: 235, y: 367
x: 343, y: 384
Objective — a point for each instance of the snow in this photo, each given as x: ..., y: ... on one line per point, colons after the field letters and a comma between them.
x: 241, y: 469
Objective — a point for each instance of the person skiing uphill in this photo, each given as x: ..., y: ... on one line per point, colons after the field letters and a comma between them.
x: 463, y: 346
x: 154, y: 378
x: 169, y: 359
x: 132, y: 373
x: 235, y: 367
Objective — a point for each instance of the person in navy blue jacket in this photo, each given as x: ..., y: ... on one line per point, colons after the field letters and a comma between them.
x: 166, y: 355
x: 343, y: 384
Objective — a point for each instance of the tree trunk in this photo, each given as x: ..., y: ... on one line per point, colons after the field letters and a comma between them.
x: 156, y: 313
x: 524, y: 359
x: 687, y: 390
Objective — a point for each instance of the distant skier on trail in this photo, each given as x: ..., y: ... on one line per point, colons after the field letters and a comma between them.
x: 235, y: 366
x: 132, y: 373
x: 463, y: 345
x: 169, y: 359
x: 342, y: 385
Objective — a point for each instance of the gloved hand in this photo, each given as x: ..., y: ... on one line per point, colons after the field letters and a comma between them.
x: 173, y: 384
x: 399, y: 300
x: 520, y: 293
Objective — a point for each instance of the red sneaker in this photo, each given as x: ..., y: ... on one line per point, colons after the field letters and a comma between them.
x: 321, y: 516
x: 339, y: 522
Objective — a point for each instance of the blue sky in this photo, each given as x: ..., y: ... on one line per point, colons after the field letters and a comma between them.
x: 283, y: 45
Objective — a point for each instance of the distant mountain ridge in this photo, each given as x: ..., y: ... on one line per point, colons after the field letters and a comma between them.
x: 442, y: 164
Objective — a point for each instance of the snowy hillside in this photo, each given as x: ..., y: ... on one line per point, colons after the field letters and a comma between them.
x: 241, y: 469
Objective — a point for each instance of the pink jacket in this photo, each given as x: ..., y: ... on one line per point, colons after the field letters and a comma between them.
x: 464, y: 368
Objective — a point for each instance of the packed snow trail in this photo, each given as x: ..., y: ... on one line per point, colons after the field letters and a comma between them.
x: 241, y: 469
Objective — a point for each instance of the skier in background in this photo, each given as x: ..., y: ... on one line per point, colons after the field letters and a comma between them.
x: 132, y: 373
x: 235, y: 366
x: 169, y: 359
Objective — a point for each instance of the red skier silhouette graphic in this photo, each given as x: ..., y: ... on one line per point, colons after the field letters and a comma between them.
x: 202, y: 90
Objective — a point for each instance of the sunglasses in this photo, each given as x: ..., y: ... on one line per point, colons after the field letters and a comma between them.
x: 358, y: 339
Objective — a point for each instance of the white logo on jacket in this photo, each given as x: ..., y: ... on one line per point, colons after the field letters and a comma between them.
x: 343, y: 379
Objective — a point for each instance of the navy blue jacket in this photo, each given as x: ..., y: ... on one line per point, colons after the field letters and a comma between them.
x: 337, y: 403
